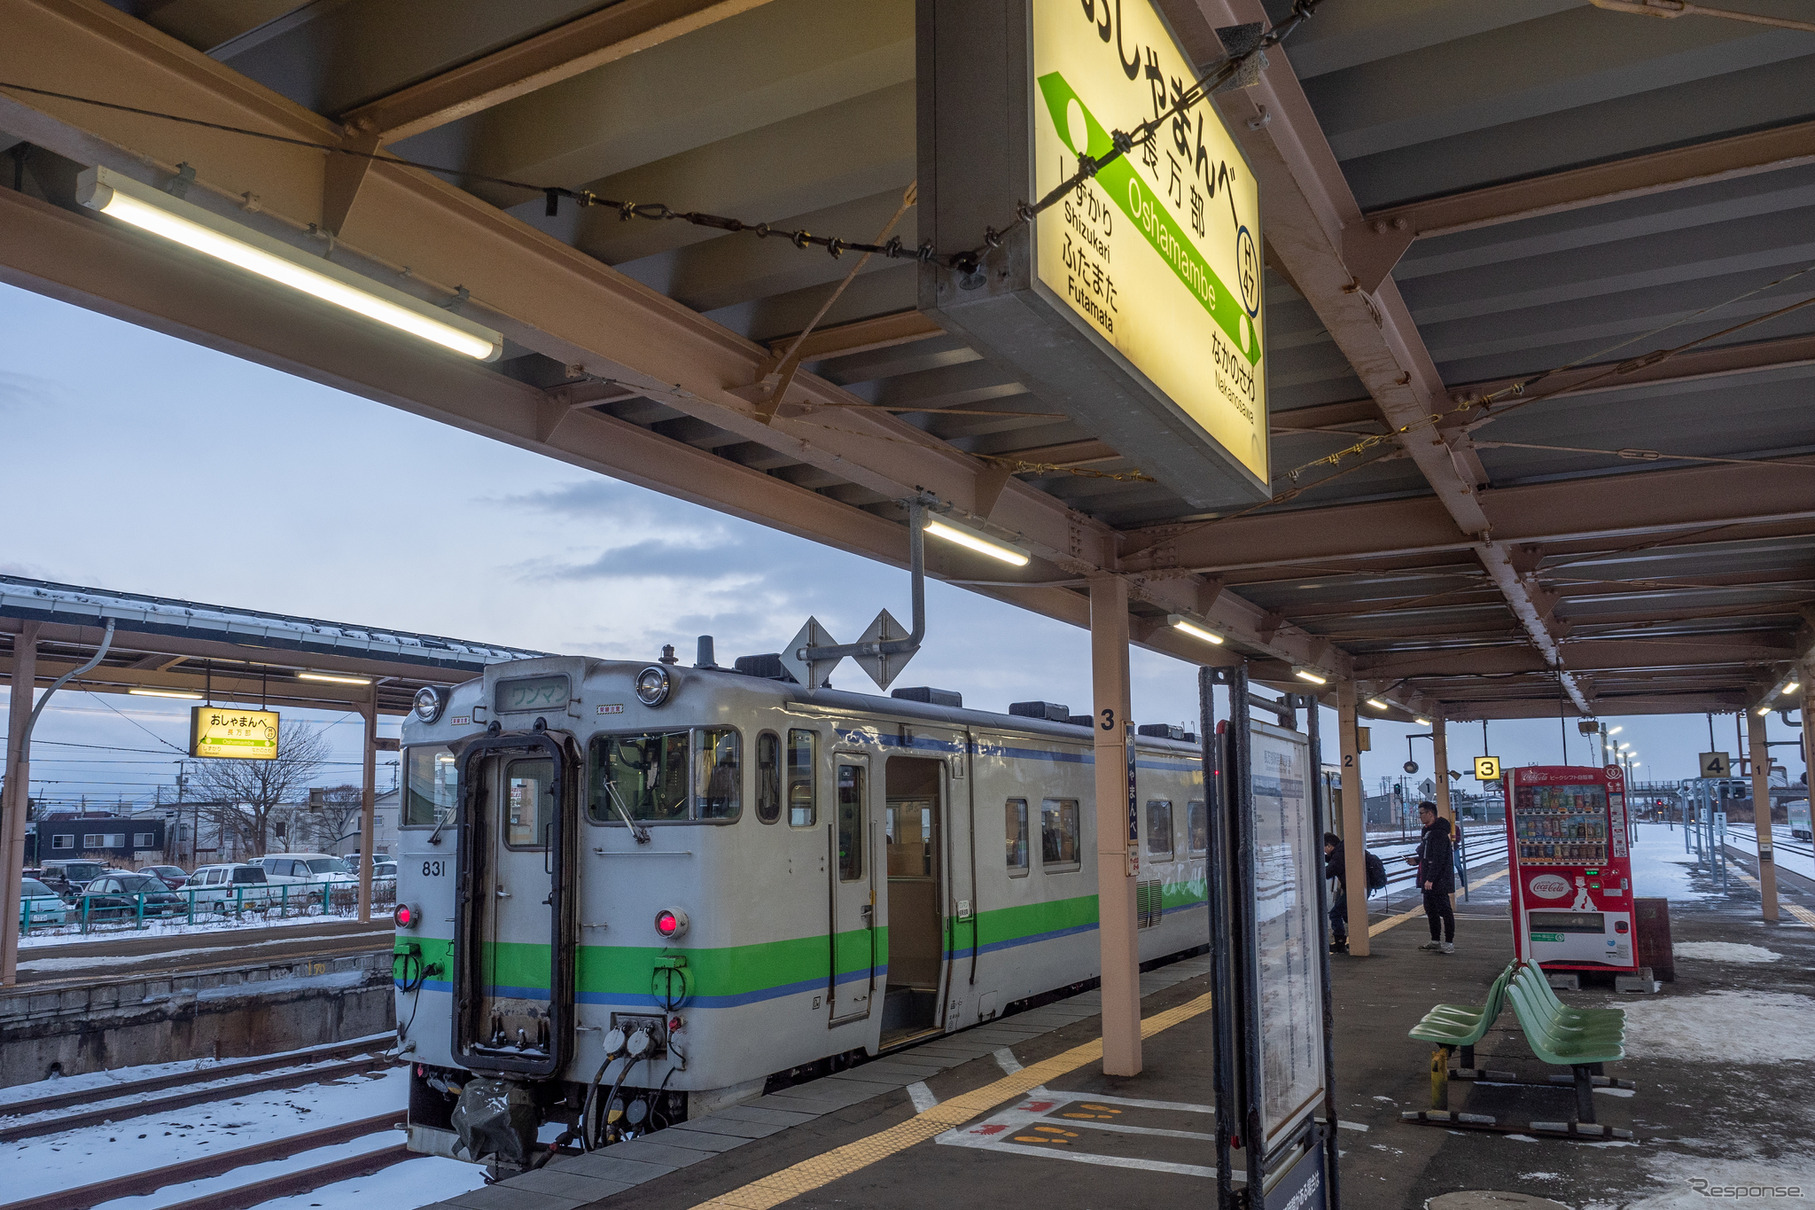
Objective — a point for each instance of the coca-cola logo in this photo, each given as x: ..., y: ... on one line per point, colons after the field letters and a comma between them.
x: 1549, y: 886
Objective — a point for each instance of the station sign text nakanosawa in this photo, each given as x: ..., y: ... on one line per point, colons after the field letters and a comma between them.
x: 1159, y: 253
x: 222, y: 731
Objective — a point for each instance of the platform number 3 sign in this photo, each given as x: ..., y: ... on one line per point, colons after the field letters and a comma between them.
x: 1487, y: 768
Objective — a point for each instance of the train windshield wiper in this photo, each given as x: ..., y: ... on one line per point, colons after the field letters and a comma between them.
x: 435, y: 836
x: 636, y: 829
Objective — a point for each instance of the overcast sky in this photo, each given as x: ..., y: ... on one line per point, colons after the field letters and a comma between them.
x: 114, y: 440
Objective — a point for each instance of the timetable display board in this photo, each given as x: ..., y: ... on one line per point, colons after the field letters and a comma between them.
x: 1288, y: 930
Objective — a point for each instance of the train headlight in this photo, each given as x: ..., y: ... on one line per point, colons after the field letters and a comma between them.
x: 671, y: 923
x: 653, y: 685
x: 429, y: 703
x: 406, y: 915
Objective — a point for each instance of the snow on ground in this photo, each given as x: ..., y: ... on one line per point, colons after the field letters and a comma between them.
x: 251, y: 1174
x: 1661, y: 868
x: 96, y: 1153
x: 1726, y: 951
x: 173, y: 928
x: 1791, y: 854
x: 416, y: 1182
x: 84, y: 961
x: 1693, y: 1182
x: 124, y: 1075
x: 1725, y: 1027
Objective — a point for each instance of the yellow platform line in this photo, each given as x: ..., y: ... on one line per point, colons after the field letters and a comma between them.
x: 1795, y: 909
x: 1374, y: 930
x: 822, y: 1170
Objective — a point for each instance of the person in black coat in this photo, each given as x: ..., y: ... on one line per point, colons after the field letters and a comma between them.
x: 1334, y: 867
x: 1435, y: 860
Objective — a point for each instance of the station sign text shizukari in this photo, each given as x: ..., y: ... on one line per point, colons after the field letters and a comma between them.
x: 234, y: 734
x: 1159, y: 253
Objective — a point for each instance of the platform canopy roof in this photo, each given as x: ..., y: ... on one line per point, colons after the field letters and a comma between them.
x: 1457, y: 196
x: 224, y: 654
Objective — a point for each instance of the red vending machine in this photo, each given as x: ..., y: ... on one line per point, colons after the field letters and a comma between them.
x: 1567, y: 844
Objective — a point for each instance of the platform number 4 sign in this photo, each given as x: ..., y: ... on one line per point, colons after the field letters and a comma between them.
x: 1716, y: 764
x: 1487, y: 768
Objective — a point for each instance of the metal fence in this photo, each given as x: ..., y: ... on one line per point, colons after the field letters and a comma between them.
x: 203, y: 906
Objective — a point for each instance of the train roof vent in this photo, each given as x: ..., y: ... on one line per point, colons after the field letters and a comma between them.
x: 1052, y: 712
x: 936, y: 697
x: 1078, y: 720
x: 768, y: 666
x: 1166, y: 731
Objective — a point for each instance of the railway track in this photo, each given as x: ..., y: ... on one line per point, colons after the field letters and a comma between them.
x: 240, y: 1197
x: 340, y: 1057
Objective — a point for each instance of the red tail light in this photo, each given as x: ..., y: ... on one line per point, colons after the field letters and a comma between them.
x: 405, y: 916
x: 670, y: 923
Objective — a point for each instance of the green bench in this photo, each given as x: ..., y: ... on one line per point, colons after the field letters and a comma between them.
x: 1581, y: 1039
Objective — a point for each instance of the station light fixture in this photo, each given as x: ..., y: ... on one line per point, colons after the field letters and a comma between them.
x: 1763, y: 711
x: 183, y: 694
x: 1422, y: 722
x: 1377, y: 704
x: 333, y: 678
x: 1615, y: 730
x: 1185, y: 625
x: 1311, y: 675
x: 970, y: 539
x: 1792, y: 686
x: 181, y: 222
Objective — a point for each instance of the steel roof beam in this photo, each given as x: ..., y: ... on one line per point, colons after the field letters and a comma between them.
x: 1692, y: 653
x: 548, y: 58
x: 1310, y: 206
x: 78, y: 259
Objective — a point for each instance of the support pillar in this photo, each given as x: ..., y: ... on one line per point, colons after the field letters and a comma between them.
x: 1354, y: 820
x: 17, y: 797
x: 1760, y: 754
x: 1440, y: 756
x: 1116, y: 854
x: 368, y: 710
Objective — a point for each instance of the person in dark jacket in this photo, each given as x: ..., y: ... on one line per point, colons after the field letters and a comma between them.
x: 1435, y: 860
x: 1333, y: 867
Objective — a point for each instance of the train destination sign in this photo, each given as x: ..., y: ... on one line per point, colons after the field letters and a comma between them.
x: 1134, y: 301
x: 220, y: 731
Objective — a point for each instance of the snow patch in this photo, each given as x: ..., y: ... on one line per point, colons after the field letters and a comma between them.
x: 1723, y: 1027
x: 1726, y: 951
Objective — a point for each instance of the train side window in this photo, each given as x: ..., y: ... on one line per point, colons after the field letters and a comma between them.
x: 1014, y: 816
x: 1060, y: 841
x: 1159, y: 828
x: 850, y: 823
x: 1197, y: 828
x: 718, y: 779
x: 768, y: 777
x: 803, y: 751
x: 529, y: 803
x: 432, y: 793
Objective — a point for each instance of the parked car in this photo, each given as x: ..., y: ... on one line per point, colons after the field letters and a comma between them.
x: 39, y: 905
x: 308, y: 873
x: 68, y: 875
x: 170, y: 875
x: 223, y: 888
x: 120, y: 893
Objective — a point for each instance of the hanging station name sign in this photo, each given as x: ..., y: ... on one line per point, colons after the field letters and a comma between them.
x: 1159, y: 253
x: 1134, y: 301
x: 217, y: 731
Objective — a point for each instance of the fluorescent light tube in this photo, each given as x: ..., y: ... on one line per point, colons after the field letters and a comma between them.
x: 331, y: 678
x: 183, y: 223
x: 1186, y: 626
x: 970, y: 539
x: 1422, y: 722
x: 1306, y: 674
x: 1377, y: 704
x: 180, y: 693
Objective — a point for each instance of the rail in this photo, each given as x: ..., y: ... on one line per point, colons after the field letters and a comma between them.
x: 80, y: 913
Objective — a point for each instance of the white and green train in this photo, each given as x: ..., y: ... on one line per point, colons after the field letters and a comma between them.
x: 628, y: 893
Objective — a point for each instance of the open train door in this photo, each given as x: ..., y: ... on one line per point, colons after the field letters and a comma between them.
x: 514, y: 926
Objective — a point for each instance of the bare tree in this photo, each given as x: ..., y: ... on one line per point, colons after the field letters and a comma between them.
x: 251, y: 789
x: 334, y: 812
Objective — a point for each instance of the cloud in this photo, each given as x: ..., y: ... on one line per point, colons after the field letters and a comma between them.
x: 591, y: 497
x: 22, y: 392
